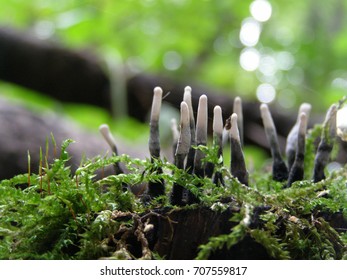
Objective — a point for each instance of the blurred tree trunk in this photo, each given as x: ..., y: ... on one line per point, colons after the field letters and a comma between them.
x: 72, y: 76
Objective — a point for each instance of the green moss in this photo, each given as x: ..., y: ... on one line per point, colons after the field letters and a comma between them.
x: 61, y: 215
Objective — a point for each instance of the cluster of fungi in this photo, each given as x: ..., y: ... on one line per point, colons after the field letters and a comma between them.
x: 190, y: 134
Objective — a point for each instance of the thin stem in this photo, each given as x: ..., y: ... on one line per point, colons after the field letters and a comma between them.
x: 156, y: 188
x: 106, y: 133
x: 325, y: 145
x: 218, y: 140
x: 201, y: 135
x: 183, y: 146
x: 237, y: 163
x: 297, y: 171
x: 279, y: 168
x: 237, y: 109
x: 292, y: 137
x: 187, y: 98
x: 154, y: 141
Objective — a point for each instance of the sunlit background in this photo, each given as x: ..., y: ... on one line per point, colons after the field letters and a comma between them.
x: 279, y: 52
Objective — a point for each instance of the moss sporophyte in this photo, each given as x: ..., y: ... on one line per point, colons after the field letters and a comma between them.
x: 196, y: 207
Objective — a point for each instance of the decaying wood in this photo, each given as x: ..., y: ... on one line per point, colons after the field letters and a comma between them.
x: 176, y: 234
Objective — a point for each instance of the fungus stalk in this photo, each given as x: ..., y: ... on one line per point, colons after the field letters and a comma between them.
x: 201, y: 136
x: 237, y: 163
x: 155, y: 188
x: 154, y: 141
x: 218, y: 140
x: 325, y: 145
x: 292, y: 137
x: 297, y: 171
x: 279, y: 168
x: 183, y: 146
x: 237, y: 109
x: 106, y: 133
x: 187, y: 98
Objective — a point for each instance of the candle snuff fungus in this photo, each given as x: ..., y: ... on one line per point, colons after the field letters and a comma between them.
x: 187, y: 98
x: 296, y: 172
x: 190, y: 138
x: 237, y: 109
x: 200, y: 206
x: 279, y: 168
x: 326, y: 144
x: 106, y: 133
x: 201, y: 136
x: 237, y: 162
x: 291, y: 143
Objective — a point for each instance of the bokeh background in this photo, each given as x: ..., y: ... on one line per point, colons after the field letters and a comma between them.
x: 274, y: 51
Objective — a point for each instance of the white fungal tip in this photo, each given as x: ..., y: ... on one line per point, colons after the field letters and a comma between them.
x: 266, y: 116
x: 104, y: 129
x: 187, y: 95
x: 188, y: 88
x: 184, y: 113
x: 264, y: 108
x: 158, y: 91
x: 156, y: 103
x: 187, y: 98
x: 201, y: 123
x: 238, y: 108
x: 185, y: 137
x: 106, y: 133
x: 305, y: 108
x: 234, y: 130
x: 237, y: 101
x: 233, y: 119
x: 203, y: 100
x: 217, y: 120
x: 303, y: 123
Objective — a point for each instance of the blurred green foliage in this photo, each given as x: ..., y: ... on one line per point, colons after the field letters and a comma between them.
x: 200, y: 40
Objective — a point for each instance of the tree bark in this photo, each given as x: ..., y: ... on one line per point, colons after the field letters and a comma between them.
x: 176, y: 234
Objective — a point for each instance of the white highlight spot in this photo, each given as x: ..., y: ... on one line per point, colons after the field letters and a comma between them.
x: 339, y: 83
x: 172, y: 60
x: 250, y: 32
x: 266, y: 93
x: 268, y: 65
x: 285, y: 60
x: 261, y: 10
x: 250, y: 59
